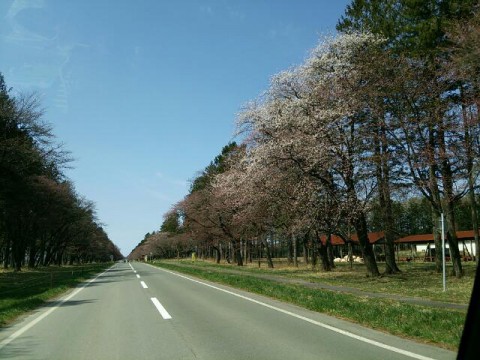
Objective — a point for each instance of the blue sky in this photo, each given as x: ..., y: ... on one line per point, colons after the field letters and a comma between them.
x: 145, y: 93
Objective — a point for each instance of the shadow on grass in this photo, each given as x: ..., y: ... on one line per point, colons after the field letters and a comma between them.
x: 25, y: 291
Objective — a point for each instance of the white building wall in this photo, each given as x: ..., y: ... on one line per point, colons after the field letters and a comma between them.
x: 469, y: 244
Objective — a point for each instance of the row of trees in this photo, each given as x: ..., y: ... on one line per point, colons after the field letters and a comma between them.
x: 386, y: 110
x: 42, y: 219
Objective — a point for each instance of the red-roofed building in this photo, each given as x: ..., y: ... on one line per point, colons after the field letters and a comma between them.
x: 420, y: 242
x: 428, y: 238
x: 425, y: 242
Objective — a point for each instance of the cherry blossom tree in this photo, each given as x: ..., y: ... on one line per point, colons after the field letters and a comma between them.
x: 311, y: 118
x: 207, y: 217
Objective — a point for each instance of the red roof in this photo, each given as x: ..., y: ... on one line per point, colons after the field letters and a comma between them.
x: 373, y: 237
x: 465, y: 235
x: 335, y: 239
x: 423, y: 238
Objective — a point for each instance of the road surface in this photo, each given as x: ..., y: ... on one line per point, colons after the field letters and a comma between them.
x: 137, y: 311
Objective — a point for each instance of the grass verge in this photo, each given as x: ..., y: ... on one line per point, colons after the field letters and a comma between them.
x: 416, y: 279
x: 23, y: 291
x: 441, y: 327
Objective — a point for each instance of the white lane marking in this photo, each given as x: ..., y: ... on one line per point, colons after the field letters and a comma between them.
x: 144, y: 285
x: 161, y: 309
x: 131, y: 267
x: 46, y: 313
x: 138, y: 276
x: 135, y: 271
x: 311, y: 321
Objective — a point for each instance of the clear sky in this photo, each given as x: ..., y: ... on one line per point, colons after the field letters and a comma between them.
x: 144, y: 93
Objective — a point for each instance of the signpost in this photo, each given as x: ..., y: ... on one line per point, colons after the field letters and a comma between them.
x: 443, y: 253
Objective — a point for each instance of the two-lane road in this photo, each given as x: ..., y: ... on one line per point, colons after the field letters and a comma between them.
x: 137, y: 311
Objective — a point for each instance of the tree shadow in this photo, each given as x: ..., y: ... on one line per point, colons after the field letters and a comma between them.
x: 69, y: 303
x: 16, y: 349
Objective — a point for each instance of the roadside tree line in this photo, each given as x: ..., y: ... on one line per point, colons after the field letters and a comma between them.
x: 385, y: 111
x: 43, y: 220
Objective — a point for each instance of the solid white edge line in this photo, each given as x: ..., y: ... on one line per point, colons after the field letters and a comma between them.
x: 144, y: 285
x: 161, y: 309
x: 48, y: 312
x: 332, y: 328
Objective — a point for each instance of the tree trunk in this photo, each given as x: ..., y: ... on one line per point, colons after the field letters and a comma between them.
x: 475, y: 225
x: 267, y: 252
x: 450, y: 208
x: 314, y: 254
x: 217, y: 254
x: 18, y: 253
x: 365, y: 246
x: 32, y: 257
x: 436, y: 207
x: 453, y: 243
x: 41, y: 253
x: 384, y: 196
x: 290, y: 250
x: 243, y: 250
x: 350, y: 253
x: 390, y: 263
x: 473, y: 207
x: 305, y: 248
x: 237, y: 247
x: 295, y: 246
x: 250, y: 251
x: 322, y: 251
x: 6, y: 259
x: 259, y: 245
x: 360, y: 223
x: 15, y: 230
x: 330, y: 254
x: 471, y: 182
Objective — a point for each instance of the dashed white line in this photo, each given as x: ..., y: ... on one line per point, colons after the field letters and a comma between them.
x: 138, y: 276
x: 144, y: 285
x: 161, y: 309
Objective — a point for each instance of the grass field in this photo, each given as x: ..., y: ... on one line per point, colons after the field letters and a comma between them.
x: 442, y: 327
x: 416, y: 280
x: 26, y: 290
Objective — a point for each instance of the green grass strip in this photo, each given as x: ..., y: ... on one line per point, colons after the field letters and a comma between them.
x: 416, y: 280
x: 441, y: 327
x: 24, y: 291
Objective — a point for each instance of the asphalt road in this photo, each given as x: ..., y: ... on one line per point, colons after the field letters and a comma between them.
x: 137, y: 311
